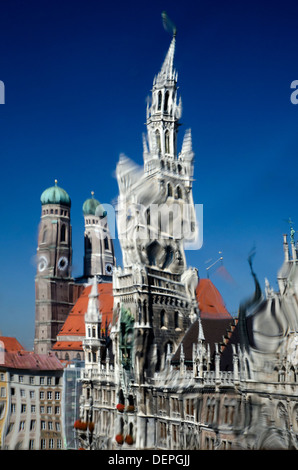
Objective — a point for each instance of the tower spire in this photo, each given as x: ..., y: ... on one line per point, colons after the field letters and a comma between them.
x: 167, y: 71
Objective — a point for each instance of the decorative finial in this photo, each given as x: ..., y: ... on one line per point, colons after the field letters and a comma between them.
x: 92, y: 193
x: 168, y: 25
x: 56, y: 182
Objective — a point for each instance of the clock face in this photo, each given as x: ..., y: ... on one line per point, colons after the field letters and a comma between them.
x: 109, y: 268
x: 62, y: 263
x: 42, y: 263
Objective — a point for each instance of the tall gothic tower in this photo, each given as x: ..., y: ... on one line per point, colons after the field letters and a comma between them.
x: 53, y: 282
x: 99, y: 257
x: 154, y: 293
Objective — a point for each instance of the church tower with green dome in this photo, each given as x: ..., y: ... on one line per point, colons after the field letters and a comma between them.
x: 53, y: 282
x: 99, y: 257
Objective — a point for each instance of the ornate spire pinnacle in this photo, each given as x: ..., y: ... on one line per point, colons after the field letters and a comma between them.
x: 167, y: 71
x: 93, y: 314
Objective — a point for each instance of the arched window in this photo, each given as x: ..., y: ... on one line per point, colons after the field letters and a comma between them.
x: 106, y: 243
x: 63, y: 233
x: 167, y: 142
x: 159, y: 101
x: 162, y: 318
x: 88, y: 243
x: 44, y: 236
x: 157, y: 135
x: 170, y: 190
x: 178, y: 193
x: 176, y: 319
x: 165, y: 108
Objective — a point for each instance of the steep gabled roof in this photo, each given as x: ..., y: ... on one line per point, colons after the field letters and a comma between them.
x: 11, y: 344
x: 73, y: 331
x: 210, y: 301
x: 214, y: 332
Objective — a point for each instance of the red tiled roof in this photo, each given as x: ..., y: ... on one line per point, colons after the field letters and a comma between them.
x: 74, y: 325
x: 210, y: 301
x: 11, y: 344
x: 68, y: 345
x: 30, y: 361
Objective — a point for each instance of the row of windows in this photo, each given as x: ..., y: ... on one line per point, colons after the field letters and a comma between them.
x: 44, y: 425
x: 42, y: 394
x: 172, y: 167
x: 227, y: 411
x: 56, y: 211
x: 46, y: 444
x: 166, y: 100
x: 43, y: 409
x: 33, y: 380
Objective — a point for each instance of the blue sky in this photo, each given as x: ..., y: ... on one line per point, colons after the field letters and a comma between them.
x: 77, y: 74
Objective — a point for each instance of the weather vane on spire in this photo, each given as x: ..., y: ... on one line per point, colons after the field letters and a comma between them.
x: 168, y: 25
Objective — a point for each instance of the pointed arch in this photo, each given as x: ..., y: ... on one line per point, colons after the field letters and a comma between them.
x: 166, y: 101
x: 162, y: 318
x: 44, y: 235
x: 158, y: 142
x: 159, y: 100
x: 178, y: 194
x: 167, y: 141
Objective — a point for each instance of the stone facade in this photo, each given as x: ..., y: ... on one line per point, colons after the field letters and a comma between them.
x: 157, y: 383
x: 53, y: 282
x: 31, y: 401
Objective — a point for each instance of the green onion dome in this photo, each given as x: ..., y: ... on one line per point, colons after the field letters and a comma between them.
x: 55, y: 195
x: 93, y: 207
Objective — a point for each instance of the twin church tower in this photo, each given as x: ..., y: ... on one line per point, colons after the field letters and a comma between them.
x: 55, y: 288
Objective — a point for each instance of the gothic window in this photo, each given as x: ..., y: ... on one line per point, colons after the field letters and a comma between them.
x: 44, y: 236
x: 170, y: 190
x: 63, y: 233
x: 157, y: 135
x: 88, y: 244
x: 167, y: 142
x: 159, y: 101
x: 106, y: 243
x: 130, y: 400
x: 162, y: 318
x: 166, y: 102
x: 179, y: 167
x: 171, y: 222
x: 145, y: 311
x: 178, y: 193
x: 176, y: 319
x: 121, y: 397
